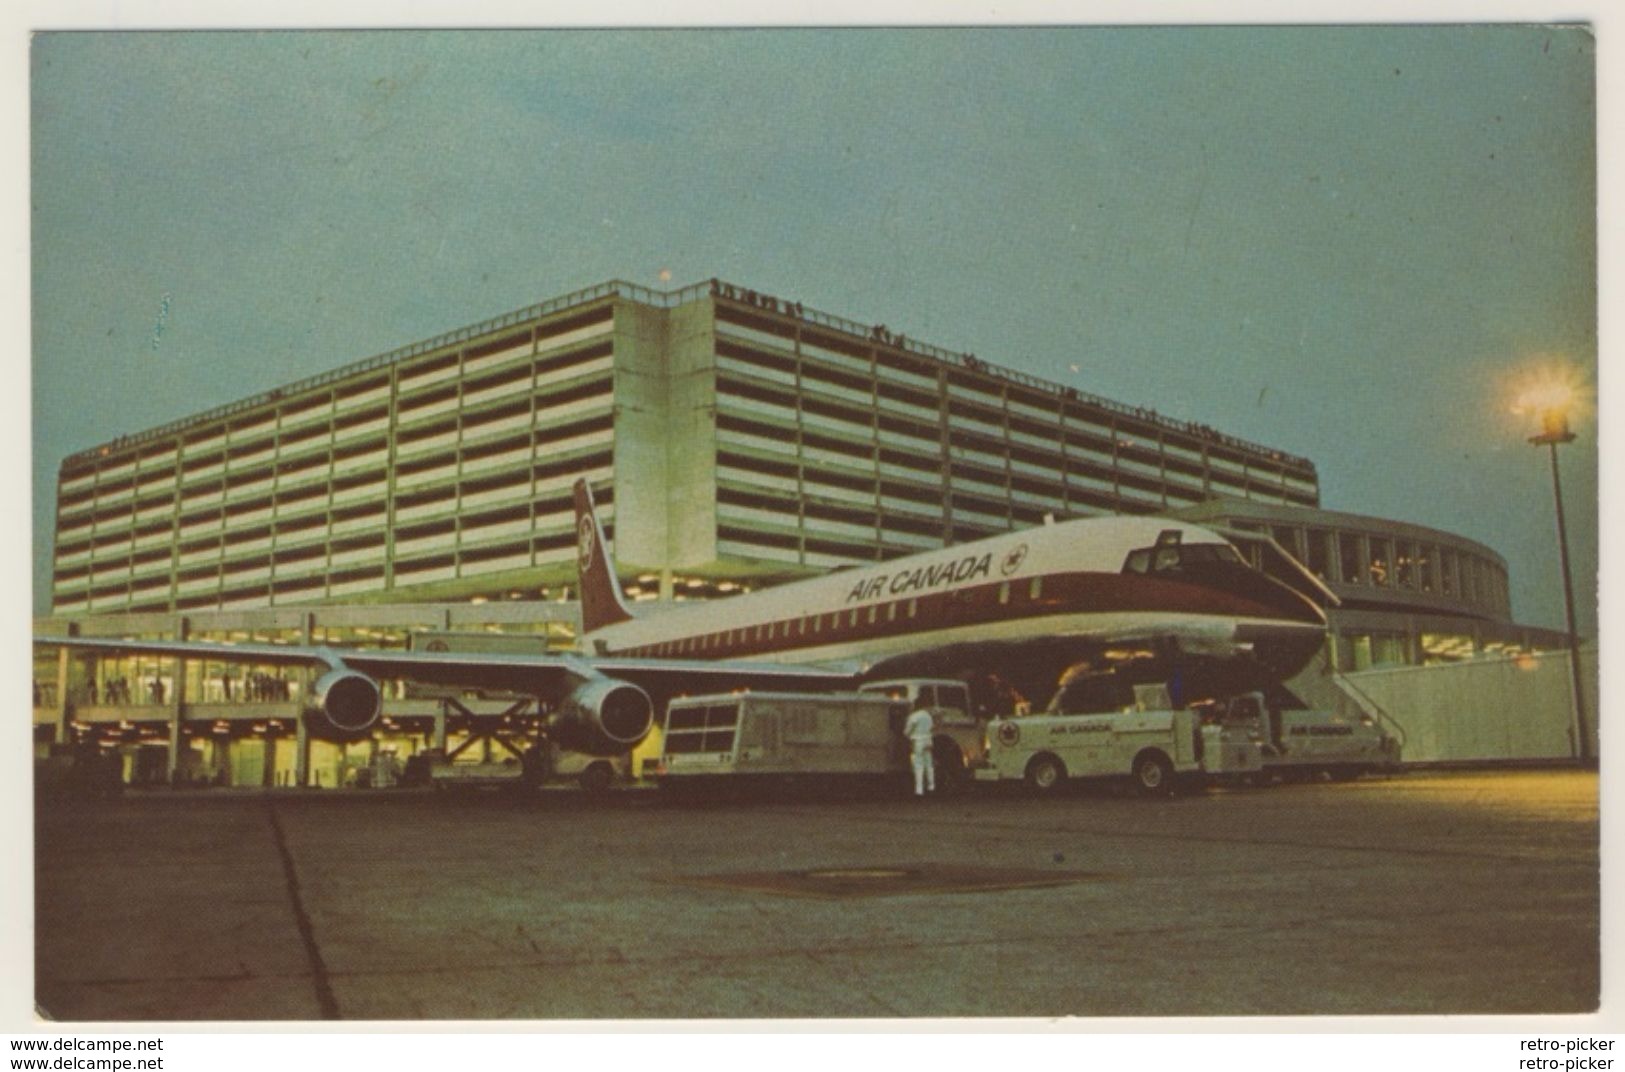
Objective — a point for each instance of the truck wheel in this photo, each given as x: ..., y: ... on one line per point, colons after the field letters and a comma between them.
x: 1045, y: 774
x: 596, y: 778
x: 1153, y: 774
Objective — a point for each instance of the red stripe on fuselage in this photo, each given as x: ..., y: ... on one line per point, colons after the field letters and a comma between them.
x: 997, y: 601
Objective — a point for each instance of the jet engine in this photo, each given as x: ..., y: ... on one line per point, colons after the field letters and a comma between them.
x: 603, y: 716
x: 343, y: 705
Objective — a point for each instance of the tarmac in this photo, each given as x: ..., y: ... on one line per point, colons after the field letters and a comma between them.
x: 1421, y: 893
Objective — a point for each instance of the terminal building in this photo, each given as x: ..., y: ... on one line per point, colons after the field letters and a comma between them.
x: 733, y: 440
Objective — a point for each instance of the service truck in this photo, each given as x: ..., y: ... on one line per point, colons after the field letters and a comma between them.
x: 959, y: 740
x: 1151, y: 742
x: 780, y: 735
x: 785, y: 734
x: 1300, y: 744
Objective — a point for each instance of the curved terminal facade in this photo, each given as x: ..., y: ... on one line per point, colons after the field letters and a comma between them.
x: 1409, y: 595
x: 732, y: 439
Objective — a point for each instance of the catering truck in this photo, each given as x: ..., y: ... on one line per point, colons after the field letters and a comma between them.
x: 816, y: 735
x: 1151, y: 742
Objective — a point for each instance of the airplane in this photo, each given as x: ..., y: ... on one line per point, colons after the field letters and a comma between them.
x: 1033, y: 602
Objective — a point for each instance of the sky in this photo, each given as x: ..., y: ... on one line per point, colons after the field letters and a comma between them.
x: 1343, y: 242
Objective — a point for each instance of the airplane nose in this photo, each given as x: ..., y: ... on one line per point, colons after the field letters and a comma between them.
x: 1275, y: 598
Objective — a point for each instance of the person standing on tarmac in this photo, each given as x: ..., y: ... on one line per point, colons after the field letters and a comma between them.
x: 918, y: 730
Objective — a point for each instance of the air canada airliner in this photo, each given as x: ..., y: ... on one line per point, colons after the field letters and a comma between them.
x: 1068, y: 587
x: 1026, y: 605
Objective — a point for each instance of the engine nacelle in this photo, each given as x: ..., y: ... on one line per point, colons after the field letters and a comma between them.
x: 343, y: 705
x: 603, y: 716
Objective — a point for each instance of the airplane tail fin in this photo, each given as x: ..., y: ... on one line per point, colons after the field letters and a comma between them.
x: 601, y: 600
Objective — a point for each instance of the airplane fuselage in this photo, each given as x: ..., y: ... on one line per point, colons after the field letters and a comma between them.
x: 1066, y: 580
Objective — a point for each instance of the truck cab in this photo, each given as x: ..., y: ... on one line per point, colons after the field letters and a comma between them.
x: 959, y: 742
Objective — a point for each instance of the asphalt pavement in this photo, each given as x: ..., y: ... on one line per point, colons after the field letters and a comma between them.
x: 1421, y: 893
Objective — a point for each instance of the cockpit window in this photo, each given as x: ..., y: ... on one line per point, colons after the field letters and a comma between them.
x: 1170, y: 558
x: 1210, y: 552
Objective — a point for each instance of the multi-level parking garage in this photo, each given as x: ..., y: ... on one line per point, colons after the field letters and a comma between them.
x: 733, y: 439
x: 728, y: 435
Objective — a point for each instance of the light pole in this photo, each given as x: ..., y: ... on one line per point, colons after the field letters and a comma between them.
x: 1554, y: 429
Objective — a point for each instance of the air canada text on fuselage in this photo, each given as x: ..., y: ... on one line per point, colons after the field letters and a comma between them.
x: 936, y: 575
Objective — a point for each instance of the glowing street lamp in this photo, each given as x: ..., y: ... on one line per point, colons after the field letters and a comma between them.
x: 1553, y: 397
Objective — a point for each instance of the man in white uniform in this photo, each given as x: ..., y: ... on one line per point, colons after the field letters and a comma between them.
x: 918, y: 730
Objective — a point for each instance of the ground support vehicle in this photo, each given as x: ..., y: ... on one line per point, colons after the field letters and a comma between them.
x: 818, y: 735
x: 1155, y: 745
x: 780, y: 735
x: 1303, y: 744
x: 959, y: 740
x: 542, y: 764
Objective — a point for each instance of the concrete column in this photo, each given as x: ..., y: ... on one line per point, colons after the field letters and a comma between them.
x: 177, y: 707
x: 301, y: 735
x: 301, y: 754
x: 59, y: 719
x: 440, y: 727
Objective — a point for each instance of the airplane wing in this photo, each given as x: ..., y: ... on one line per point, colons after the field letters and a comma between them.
x: 520, y: 673
x: 613, y: 699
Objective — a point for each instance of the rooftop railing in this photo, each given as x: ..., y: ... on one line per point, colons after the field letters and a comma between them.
x: 667, y: 299
x: 879, y: 333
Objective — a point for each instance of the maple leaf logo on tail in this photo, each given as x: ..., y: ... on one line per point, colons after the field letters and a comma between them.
x: 601, y: 600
